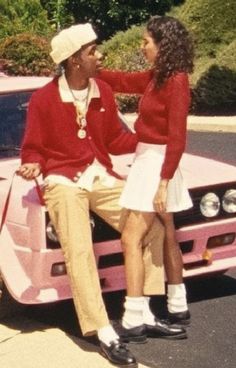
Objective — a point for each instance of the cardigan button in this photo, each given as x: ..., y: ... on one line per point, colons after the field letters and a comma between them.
x: 79, y: 173
x: 75, y: 179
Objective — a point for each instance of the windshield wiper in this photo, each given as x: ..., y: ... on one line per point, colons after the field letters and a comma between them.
x: 9, y: 148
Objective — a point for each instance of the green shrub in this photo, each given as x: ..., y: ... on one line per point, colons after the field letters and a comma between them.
x: 122, y: 52
x: 212, y: 22
x: 215, y: 92
x: 26, y: 55
x: 227, y: 57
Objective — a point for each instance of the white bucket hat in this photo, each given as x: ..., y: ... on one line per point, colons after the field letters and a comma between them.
x: 70, y: 40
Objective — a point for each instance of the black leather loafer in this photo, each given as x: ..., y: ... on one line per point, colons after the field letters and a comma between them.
x: 165, y: 331
x: 135, y: 335
x: 118, y: 354
x: 180, y: 318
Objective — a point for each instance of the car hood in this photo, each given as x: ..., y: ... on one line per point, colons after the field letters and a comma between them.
x: 14, y: 84
x: 197, y: 171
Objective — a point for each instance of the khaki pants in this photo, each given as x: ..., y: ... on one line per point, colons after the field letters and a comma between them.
x: 69, y: 211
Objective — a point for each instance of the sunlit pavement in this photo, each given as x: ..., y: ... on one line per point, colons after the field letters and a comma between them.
x: 25, y: 343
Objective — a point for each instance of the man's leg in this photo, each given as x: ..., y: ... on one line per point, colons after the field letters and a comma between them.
x: 69, y: 211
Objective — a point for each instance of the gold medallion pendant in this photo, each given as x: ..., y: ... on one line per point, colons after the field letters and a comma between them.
x: 81, y: 106
x: 81, y: 133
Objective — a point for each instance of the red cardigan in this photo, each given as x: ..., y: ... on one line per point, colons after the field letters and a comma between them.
x: 162, y: 114
x: 51, y: 132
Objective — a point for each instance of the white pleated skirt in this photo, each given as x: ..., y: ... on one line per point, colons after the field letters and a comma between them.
x: 143, y: 181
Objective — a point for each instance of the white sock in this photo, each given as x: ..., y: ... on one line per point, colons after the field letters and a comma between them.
x: 176, y: 298
x: 107, y: 335
x: 133, y: 314
x: 148, y: 316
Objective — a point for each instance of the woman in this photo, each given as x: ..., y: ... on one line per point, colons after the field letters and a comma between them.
x: 155, y: 185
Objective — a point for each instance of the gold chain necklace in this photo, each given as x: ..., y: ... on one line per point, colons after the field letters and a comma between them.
x: 80, y: 116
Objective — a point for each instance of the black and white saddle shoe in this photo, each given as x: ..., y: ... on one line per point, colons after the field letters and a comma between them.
x: 164, y: 330
x: 118, y: 354
x: 135, y: 335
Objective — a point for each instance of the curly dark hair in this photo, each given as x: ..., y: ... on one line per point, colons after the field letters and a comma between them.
x: 175, y: 47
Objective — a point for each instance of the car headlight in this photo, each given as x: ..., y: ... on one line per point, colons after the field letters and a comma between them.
x: 51, y: 232
x: 229, y: 201
x: 210, y: 205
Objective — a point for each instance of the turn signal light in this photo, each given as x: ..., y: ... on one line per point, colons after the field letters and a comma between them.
x: 58, y: 269
x: 219, y: 240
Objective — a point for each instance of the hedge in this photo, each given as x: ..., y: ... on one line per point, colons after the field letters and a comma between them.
x: 26, y: 54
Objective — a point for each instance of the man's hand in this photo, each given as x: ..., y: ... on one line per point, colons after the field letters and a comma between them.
x: 29, y: 171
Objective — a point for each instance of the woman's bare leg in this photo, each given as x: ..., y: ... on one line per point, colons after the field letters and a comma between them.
x: 136, y: 227
x: 176, y: 292
x: 172, y: 254
x: 137, y: 313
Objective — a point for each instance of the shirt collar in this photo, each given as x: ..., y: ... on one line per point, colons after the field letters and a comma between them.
x: 66, y: 94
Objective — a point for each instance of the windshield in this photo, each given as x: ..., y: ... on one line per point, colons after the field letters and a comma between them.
x: 13, y: 108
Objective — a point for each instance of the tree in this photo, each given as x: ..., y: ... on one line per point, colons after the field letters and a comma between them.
x: 59, y: 16
x: 18, y: 16
x: 109, y: 16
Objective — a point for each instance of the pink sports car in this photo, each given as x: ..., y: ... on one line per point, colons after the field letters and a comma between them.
x: 32, y: 268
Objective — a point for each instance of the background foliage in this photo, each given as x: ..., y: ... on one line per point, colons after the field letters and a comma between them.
x: 214, y: 78
x: 28, y: 25
x: 26, y: 54
x: 20, y: 16
x: 108, y: 16
x: 122, y: 52
x: 213, y: 24
x: 58, y: 14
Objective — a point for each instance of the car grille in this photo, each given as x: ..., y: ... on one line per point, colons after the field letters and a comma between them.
x: 193, y: 215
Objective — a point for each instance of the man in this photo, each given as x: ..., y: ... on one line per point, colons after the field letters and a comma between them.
x: 72, y: 126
